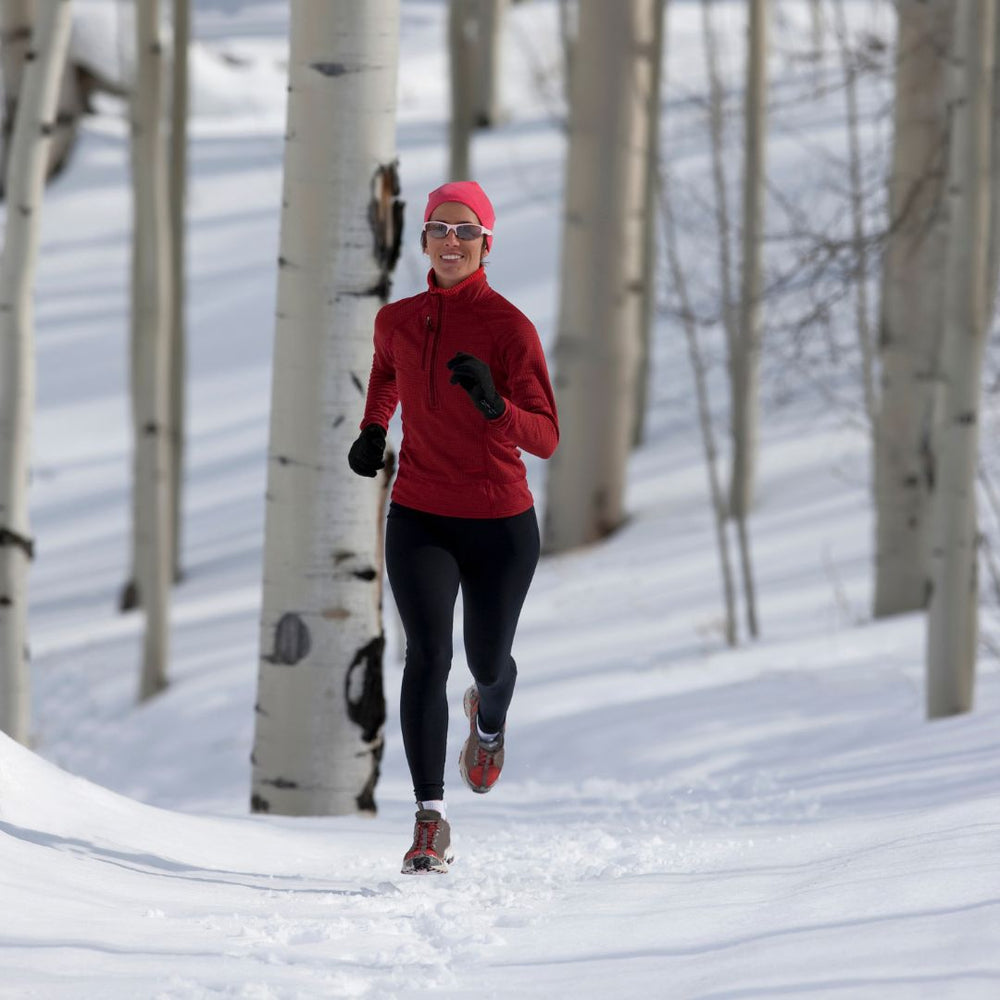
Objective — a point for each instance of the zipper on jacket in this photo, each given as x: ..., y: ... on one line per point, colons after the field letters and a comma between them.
x: 434, y: 337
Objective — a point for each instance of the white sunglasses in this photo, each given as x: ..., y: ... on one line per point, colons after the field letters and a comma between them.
x: 463, y: 230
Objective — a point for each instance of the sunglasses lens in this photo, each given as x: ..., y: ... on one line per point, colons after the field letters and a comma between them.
x: 464, y: 230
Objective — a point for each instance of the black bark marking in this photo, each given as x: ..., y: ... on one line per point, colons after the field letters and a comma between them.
x: 5, y: 601
x: 259, y: 804
x: 966, y: 418
x: 16, y: 35
x: 385, y: 215
x: 368, y: 709
x: 291, y: 640
x: 366, y: 797
x: 357, y: 384
x: 18, y: 541
x: 342, y: 555
x: 339, y: 421
x: 366, y: 574
x: 130, y: 596
x: 280, y: 782
x: 331, y: 68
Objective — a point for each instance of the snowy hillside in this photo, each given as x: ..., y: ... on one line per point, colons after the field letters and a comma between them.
x: 675, y: 820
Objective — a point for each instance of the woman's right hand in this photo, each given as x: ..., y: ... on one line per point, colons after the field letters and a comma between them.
x: 365, y: 457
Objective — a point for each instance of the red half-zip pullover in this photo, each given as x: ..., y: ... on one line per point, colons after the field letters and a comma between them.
x: 452, y: 460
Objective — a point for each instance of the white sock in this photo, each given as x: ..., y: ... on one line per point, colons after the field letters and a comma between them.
x: 437, y: 805
x: 485, y: 737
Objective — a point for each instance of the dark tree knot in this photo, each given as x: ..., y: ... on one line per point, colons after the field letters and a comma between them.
x: 363, y: 690
x: 331, y: 68
x: 18, y: 541
x: 292, y: 641
x: 385, y: 215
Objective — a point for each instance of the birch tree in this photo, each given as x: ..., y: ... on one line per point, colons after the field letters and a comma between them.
x: 600, y: 307
x: 649, y: 259
x: 16, y: 20
x: 849, y: 63
x: 952, y: 632
x: 179, y: 105
x: 151, y: 331
x: 320, y: 708
x: 489, y: 62
x: 76, y: 85
x: 462, y: 74
x: 912, y: 293
x: 746, y: 361
x: 30, y: 140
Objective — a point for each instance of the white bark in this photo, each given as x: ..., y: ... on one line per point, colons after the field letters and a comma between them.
x: 649, y: 260
x: 993, y: 260
x: 722, y: 217
x: 178, y: 333
x: 29, y: 154
x: 462, y: 69
x: 567, y: 38
x: 952, y: 619
x: 151, y: 317
x: 600, y: 309
x: 912, y: 294
x: 16, y: 20
x: 489, y: 63
x: 747, y: 360
x: 320, y: 710
x: 865, y: 339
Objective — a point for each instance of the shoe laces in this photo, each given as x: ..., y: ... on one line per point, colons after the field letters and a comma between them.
x: 426, y: 832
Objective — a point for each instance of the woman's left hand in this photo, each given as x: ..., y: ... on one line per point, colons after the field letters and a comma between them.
x: 475, y: 378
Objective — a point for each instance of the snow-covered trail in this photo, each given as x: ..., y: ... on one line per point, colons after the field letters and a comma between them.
x: 750, y: 832
x: 675, y: 819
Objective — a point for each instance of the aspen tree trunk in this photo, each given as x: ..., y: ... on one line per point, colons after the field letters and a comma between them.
x: 722, y: 217
x: 151, y: 317
x: 649, y: 261
x: 17, y: 18
x: 29, y: 152
x: 747, y: 360
x: 320, y: 705
x: 993, y: 259
x: 952, y: 620
x: 867, y: 348
x: 816, y: 28
x: 704, y: 412
x: 462, y: 66
x: 912, y: 293
x: 489, y: 60
x: 600, y: 308
x: 567, y: 38
x: 178, y: 242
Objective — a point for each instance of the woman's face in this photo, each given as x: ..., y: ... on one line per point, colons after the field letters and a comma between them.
x: 453, y: 259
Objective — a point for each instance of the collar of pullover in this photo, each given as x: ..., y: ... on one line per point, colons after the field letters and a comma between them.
x: 467, y: 287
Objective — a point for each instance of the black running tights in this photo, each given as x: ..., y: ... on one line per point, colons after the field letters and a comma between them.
x: 429, y: 557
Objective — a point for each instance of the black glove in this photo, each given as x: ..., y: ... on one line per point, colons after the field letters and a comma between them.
x: 365, y: 456
x: 474, y: 377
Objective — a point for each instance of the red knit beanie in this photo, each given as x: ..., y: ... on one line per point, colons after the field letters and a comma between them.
x: 467, y: 193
